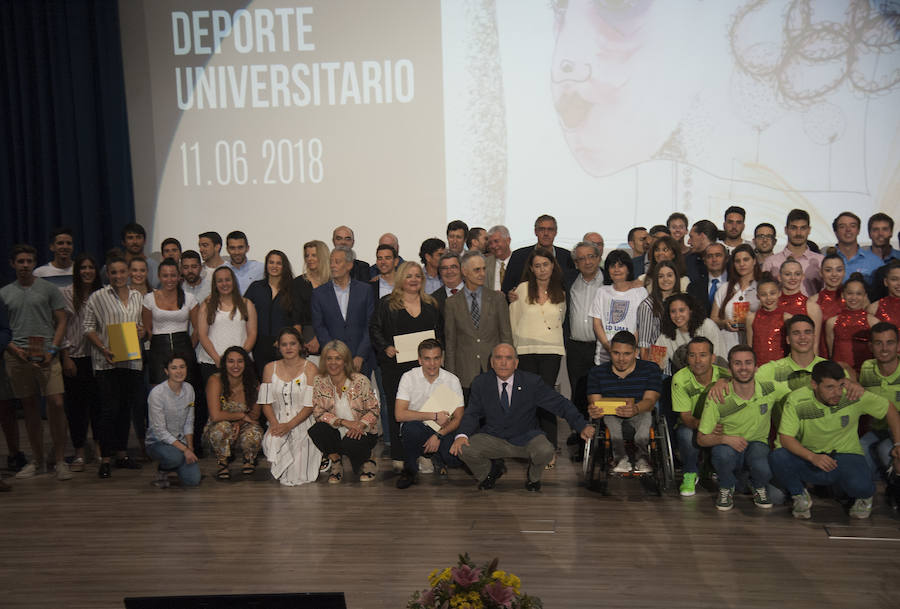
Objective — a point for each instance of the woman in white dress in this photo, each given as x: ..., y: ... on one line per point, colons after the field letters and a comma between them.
x: 286, y: 398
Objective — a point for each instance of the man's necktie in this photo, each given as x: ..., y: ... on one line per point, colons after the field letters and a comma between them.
x: 502, y: 271
x: 453, y: 291
x: 504, y: 397
x: 476, y: 313
x: 712, y: 290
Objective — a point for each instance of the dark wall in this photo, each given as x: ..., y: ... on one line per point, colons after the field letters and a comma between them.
x: 64, y: 155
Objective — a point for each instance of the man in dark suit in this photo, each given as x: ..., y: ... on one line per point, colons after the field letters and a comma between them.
x: 341, y: 310
x: 545, y: 230
x: 703, y: 232
x: 343, y: 237
x: 639, y: 241
x: 508, y: 400
x: 704, y: 289
x: 449, y: 270
x: 468, y: 344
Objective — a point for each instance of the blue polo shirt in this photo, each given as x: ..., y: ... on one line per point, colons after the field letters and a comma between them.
x: 646, y: 376
x: 864, y: 262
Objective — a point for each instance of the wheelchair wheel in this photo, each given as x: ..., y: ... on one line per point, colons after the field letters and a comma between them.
x: 594, y: 465
x: 666, y: 462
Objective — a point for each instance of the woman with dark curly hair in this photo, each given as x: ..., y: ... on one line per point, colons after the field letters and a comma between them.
x: 615, y: 306
x: 233, y: 412
x: 685, y: 319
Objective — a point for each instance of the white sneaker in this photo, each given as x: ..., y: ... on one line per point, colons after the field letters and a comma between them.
x: 62, y: 471
x: 623, y: 466
x: 642, y: 467
x: 425, y: 466
x: 29, y: 471
x: 397, y: 466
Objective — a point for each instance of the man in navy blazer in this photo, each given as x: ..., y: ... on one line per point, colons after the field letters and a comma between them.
x: 508, y: 400
x: 341, y: 310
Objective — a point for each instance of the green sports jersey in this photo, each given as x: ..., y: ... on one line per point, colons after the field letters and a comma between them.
x: 786, y: 374
x: 887, y: 387
x: 748, y: 419
x: 689, y: 395
x: 825, y: 429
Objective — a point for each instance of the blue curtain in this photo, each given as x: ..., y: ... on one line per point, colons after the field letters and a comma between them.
x: 64, y: 156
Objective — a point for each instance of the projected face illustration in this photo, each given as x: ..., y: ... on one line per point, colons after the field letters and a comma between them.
x: 617, y: 100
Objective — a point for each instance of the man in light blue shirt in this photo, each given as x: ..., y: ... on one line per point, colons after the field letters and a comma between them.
x: 247, y: 271
x: 856, y: 259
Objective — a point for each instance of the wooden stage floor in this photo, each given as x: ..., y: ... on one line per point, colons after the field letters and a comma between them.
x: 90, y: 542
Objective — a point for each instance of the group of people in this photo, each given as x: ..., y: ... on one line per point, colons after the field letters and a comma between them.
x: 768, y: 364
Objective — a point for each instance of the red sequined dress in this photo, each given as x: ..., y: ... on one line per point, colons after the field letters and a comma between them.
x: 793, y: 304
x: 851, y: 338
x: 768, y: 335
x: 831, y: 302
x: 889, y: 310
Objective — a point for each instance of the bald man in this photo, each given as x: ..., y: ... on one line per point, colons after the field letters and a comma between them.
x: 343, y: 236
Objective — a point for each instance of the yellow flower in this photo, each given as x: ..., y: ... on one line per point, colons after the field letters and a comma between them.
x: 437, y: 577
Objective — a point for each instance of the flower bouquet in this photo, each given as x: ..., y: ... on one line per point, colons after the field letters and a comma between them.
x: 467, y: 586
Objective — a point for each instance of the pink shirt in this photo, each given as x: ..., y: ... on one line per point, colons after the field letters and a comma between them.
x: 809, y: 260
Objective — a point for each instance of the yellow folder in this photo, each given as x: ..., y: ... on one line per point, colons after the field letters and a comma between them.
x: 123, y: 341
x: 609, y: 405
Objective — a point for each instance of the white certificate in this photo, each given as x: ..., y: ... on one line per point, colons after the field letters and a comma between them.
x: 407, y: 345
x: 442, y: 399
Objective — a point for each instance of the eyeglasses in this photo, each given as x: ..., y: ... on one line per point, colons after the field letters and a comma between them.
x: 448, y: 268
x: 586, y: 258
x: 767, y: 237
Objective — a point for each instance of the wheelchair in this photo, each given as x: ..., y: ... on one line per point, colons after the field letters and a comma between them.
x: 598, y: 457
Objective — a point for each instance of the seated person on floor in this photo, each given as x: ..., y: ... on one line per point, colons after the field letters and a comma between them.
x: 419, y: 439
x: 636, y: 381
x: 507, y: 399
x: 881, y: 376
x: 738, y: 431
x: 819, y: 442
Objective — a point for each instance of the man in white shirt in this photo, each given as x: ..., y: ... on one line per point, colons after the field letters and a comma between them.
x: 59, y: 270
x: 497, y: 261
x: 581, y: 342
x: 194, y: 278
x: 247, y: 271
x: 420, y: 439
x: 209, y: 244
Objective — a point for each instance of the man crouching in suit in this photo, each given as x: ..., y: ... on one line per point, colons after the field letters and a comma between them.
x: 507, y: 400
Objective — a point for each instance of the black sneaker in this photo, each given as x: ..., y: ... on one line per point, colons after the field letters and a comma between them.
x: 127, y: 463
x: 104, y: 471
x: 406, y: 479
x: 16, y: 462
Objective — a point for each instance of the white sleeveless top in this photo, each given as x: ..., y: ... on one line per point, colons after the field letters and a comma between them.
x: 170, y: 322
x: 223, y: 333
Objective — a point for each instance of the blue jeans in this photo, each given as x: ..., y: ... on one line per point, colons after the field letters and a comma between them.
x: 171, y: 459
x: 851, y: 475
x: 413, y: 435
x: 686, y: 438
x: 729, y: 463
x: 877, y: 448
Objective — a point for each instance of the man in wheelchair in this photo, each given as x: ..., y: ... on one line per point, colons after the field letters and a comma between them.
x: 636, y: 382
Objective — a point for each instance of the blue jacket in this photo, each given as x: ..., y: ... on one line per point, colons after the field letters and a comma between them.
x: 329, y: 324
x: 519, y: 424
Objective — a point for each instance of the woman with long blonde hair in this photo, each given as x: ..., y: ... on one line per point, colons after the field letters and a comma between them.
x: 405, y: 310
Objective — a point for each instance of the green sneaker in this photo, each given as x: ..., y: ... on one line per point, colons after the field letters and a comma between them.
x: 802, y: 504
x: 689, y: 485
x: 862, y: 508
x: 761, y: 498
x: 725, y: 500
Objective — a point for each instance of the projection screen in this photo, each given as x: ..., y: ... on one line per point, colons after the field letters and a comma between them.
x: 287, y: 119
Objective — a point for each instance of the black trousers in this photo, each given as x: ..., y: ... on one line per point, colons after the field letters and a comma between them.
x: 162, y: 346
x: 121, y: 398
x: 329, y: 441
x: 546, y: 366
x: 390, y: 376
x: 579, y: 361
x: 82, y: 401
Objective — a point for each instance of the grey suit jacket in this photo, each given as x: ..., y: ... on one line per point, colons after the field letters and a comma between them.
x: 490, y: 269
x: 468, y: 349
